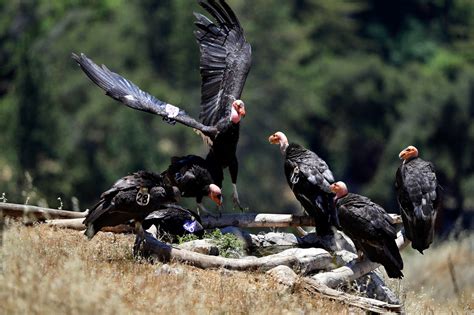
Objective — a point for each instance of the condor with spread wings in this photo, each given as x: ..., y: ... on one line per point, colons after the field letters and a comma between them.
x: 224, y: 65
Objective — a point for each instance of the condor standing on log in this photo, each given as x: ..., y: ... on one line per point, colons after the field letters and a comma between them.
x: 309, y: 178
x: 419, y: 197
x: 132, y: 197
x: 370, y: 227
x: 224, y: 65
x: 191, y: 175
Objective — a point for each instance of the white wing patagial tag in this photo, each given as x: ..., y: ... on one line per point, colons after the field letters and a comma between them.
x: 171, y: 110
x: 143, y: 197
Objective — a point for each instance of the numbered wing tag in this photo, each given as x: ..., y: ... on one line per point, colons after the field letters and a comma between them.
x: 190, y: 226
x: 294, y: 178
x: 143, y: 197
x: 171, y: 110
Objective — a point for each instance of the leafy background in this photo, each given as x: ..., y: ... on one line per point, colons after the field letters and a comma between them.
x: 355, y: 81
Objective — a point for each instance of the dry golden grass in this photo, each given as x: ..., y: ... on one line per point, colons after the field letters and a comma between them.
x: 427, y: 286
x: 53, y: 271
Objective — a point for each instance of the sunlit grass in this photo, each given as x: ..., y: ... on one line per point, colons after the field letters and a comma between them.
x: 51, y: 271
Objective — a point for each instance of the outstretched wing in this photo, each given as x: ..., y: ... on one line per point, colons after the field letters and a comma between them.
x: 225, y: 60
x: 131, y: 95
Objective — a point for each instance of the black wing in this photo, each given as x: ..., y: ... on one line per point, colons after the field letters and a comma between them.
x: 134, y: 180
x: 131, y: 95
x: 317, y: 172
x: 225, y: 60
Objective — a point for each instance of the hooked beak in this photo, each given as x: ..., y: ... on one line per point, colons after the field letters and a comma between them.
x: 217, y: 199
x: 333, y: 188
x: 273, y: 139
x: 402, y: 154
x: 242, y: 112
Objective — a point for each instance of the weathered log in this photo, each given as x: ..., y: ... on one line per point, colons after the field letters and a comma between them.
x: 37, y: 213
x: 352, y: 271
x: 76, y: 224
x: 365, y: 303
x: 246, y: 220
x: 301, y: 260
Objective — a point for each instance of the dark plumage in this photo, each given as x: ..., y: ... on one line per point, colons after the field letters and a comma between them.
x: 132, y: 197
x: 191, y: 175
x: 225, y: 63
x: 174, y: 221
x: 419, y: 197
x: 309, y: 177
x: 370, y: 228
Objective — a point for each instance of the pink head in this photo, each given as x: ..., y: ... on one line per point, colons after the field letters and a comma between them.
x: 408, y: 153
x: 279, y: 138
x: 238, y: 111
x: 340, y: 189
x: 215, y: 194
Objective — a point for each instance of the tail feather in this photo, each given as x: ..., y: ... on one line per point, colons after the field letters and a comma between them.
x: 392, y: 260
x: 422, y: 229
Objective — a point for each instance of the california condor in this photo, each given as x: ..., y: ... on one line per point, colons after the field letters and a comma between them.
x: 370, y: 228
x: 309, y: 177
x: 132, y: 197
x: 173, y: 221
x: 191, y: 175
x: 419, y: 197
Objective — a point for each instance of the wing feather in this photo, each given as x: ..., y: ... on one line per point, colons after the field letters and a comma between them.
x: 131, y: 95
x: 225, y: 60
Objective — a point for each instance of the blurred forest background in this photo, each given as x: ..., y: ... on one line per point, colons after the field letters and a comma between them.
x: 355, y: 81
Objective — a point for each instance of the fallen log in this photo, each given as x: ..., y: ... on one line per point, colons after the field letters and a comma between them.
x: 37, y: 213
x: 76, y: 224
x: 365, y: 303
x: 251, y: 220
x: 300, y: 260
x: 352, y: 271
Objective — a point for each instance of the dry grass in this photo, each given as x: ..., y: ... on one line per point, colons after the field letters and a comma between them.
x: 51, y: 271
x: 427, y: 286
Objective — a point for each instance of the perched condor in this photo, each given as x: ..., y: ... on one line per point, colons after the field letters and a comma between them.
x: 419, y: 197
x: 224, y: 64
x: 370, y: 227
x: 191, y: 175
x: 132, y: 197
x: 174, y: 221
x: 309, y: 178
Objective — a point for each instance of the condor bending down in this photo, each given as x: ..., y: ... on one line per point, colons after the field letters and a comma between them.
x: 132, y: 197
x: 309, y: 177
x: 370, y: 227
x: 191, y: 175
x: 419, y: 197
x: 173, y: 221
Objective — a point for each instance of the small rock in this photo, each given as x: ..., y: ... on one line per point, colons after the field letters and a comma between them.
x: 343, y: 257
x: 168, y: 270
x: 281, y: 239
x: 284, y: 275
x: 204, y: 246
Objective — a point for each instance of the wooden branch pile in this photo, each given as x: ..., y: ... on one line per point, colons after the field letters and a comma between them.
x: 306, y: 262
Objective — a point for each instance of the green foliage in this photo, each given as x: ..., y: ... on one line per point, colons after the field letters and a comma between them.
x: 187, y: 238
x: 228, y: 244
